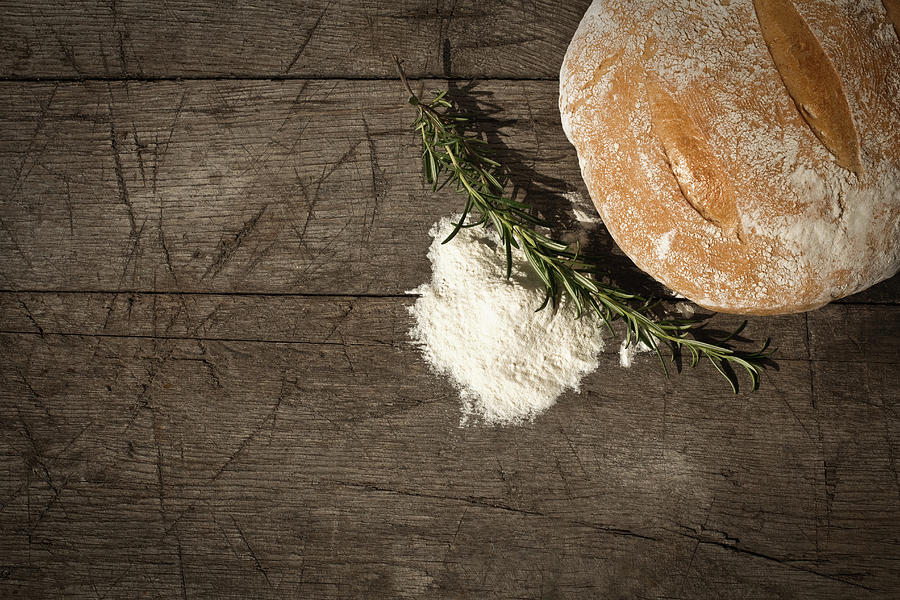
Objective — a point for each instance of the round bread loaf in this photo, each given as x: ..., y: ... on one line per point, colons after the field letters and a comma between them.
x: 745, y: 153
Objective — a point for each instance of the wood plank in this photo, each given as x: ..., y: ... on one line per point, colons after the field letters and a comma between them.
x: 319, y: 469
x: 293, y: 186
x: 855, y: 334
x: 301, y: 319
x: 270, y: 187
x: 885, y: 292
x: 315, y: 38
x: 290, y: 319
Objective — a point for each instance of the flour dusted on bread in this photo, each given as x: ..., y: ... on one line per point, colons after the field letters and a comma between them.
x: 744, y: 153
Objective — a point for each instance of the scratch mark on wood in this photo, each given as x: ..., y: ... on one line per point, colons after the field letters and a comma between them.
x: 326, y: 173
x: 294, y: 108
x: 310, y: 207
x: 181, y: 565
x: 26, y: 154
x: 164, y: 245
x: 69, y: 206
x: 572, y: 449
x: 103, y: 53
x: 129, y: 258
x: 56, y: 493
x: 154, y: 172
x: 459, y: 526
x: 340, y: 321
x: 210, y: 368
x: 379, y: 181
x: 67, y: 50
x: 120, y: 178
x: 305, y: 42
x: 38, y: 399
x: 172, y: 126
x: 245, y: 441
x: 35, y: 452
x: 259, y: 566
x: 347, y: 355
x: 31, y: 317
x: 227, y: 248
x: 161, y: 489
x: 796, y: 418
x: 18, y: 491
x: 122, y: 59
x: 562, y: 475
x: 139, y: 148
x: 690, y: 564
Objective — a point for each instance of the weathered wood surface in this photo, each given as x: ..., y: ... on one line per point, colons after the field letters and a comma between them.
x: 296, y: 186
x: 170, y: 453
x: 206, y: 385
x: 224, y: 186
x: 318, y: 38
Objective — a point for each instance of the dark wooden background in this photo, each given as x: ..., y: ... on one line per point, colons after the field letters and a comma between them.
x: 211, y: 213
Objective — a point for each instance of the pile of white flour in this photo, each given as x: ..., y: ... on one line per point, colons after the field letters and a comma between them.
x: 509, y: 362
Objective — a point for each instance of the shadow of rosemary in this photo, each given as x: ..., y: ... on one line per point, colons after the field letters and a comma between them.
x: 546, y: 197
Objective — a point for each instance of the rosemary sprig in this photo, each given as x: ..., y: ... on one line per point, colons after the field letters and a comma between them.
x: 464, y: 160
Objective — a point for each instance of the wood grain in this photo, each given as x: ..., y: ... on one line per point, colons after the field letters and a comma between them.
x: 300, y: 187
x: 327, y: 467
x: 206, y: 385
x: 316, y: 38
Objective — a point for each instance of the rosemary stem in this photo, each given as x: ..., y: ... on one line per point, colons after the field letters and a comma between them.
x: 403, y: 77
x: 456, y: 156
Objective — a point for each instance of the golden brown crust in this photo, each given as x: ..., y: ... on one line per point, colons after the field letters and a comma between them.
x: 705, y: 171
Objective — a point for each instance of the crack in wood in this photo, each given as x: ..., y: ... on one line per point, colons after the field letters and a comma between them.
x: 732, y: 544
x: 483, y: 503
x: 236, y: 294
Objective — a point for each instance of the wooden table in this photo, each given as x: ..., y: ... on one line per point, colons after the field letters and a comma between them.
x: 211, y: 215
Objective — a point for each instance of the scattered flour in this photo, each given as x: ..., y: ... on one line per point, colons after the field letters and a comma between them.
x: 685, y: 309
x: 509, y: 362
x: 627, y: 352
x: 583, y: 208
x: 584, y: 217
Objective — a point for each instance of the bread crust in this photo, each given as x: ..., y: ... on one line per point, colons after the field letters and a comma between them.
x: 746, y: 153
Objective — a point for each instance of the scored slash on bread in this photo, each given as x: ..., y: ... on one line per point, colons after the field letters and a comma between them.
x: 810, y: 78
x: 692, y: 161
